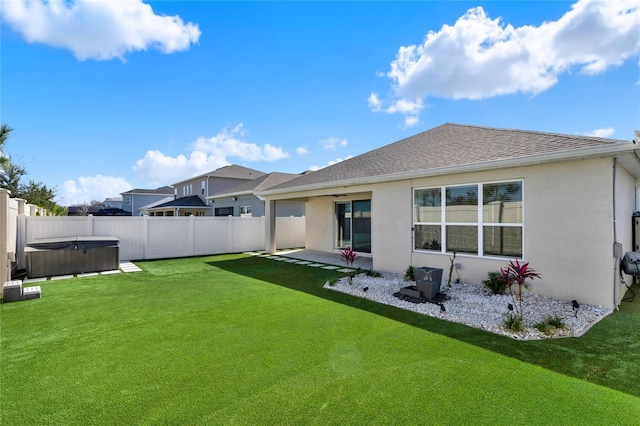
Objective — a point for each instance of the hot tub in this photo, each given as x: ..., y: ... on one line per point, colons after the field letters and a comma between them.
x: 48, y: 257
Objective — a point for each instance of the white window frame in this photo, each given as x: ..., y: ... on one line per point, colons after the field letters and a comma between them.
x: 246, y: 211
x: 479, y: 224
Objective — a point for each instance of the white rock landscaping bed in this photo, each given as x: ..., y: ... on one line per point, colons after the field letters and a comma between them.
x: 475, y: 306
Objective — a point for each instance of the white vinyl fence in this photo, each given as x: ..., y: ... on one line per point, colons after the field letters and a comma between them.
x: 10, y: 210
x: 147, y: 237
x: 140, y: 237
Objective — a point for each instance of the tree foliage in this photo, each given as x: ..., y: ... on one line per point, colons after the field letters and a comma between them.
x: 5, y: 131
x: 13, y: 177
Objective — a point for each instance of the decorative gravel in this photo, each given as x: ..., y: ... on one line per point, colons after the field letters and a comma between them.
x: 475, y: 306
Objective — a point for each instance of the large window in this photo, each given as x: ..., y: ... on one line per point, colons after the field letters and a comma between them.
x: 482, y: 219
x: 223, y: 211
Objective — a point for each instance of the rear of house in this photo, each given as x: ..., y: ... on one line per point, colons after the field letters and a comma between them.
x: 560, y: 202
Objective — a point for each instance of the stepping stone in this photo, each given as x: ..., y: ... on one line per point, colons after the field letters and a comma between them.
x: 330, y: 267
x: 345, y: 270
x: 88, y: 274
x: 34, y: 280
x: 129, y: 267
x: 304, y: 262
x: 61, y: 277
x: 115, y: 271
x: 292, y: 260
x: 315, y: 265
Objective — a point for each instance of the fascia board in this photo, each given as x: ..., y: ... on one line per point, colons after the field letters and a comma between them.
x: 229, y: 194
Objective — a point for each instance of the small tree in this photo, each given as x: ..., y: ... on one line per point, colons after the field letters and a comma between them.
x: 349, y: 256
x: 517, y: 273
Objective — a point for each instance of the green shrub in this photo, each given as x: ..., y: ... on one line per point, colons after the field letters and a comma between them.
x: 513, y: 323
x: 550, y: 324
x: 556, y: 321
x: 543, y: 327
x: 408, y: 274
x: 372, y: 273
x: 333, y: 282
x: 495, y: 282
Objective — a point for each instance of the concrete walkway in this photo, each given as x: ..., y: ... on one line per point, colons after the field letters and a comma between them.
x: 124, y: 266
x: 365, y: 263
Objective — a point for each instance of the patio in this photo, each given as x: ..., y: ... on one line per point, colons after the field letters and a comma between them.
x: 330, y: 258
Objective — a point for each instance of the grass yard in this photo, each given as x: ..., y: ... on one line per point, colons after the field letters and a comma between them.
x: 244, y: 340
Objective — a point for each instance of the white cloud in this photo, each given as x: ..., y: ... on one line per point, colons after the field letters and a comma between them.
x: 330, y: 163
x: 601, y: 133
x: 332, y: 143
x: 302, y: 151
x: 89, y: 188
x: 374, y: 102
x: 99, y: 29
x: 479, y: 57
x: 206, y: 154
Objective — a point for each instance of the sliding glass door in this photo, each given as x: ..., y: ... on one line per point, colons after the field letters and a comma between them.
x: 353, y: 225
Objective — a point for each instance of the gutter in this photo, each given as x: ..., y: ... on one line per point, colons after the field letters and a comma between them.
x: 577, y: 154
x: 228, y: 194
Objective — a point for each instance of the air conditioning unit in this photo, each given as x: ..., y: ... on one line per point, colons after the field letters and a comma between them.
x: 631, y: 263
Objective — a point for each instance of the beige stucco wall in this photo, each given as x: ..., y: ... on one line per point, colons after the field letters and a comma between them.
x: 625, y: 206
x: 567, y: 233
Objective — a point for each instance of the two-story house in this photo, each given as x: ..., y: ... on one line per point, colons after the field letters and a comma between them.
x: 135, y: 201
x: 191, y: 194
x: 241, y: 200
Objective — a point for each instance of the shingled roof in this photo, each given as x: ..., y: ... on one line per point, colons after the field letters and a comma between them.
x: 190, y: 201
x: 232, y: 171
x: 256, y: 185
x: 158, y: 191
x: 446, y: 147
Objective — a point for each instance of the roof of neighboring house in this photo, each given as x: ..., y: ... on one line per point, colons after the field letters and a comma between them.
x: 256, y: 185
x: 156, y: 203
x: 158, y: 191
x: 452, y: 148
x: 232, y: 171
x: 190, y: 201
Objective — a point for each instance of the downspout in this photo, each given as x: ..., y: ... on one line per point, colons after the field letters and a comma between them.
x: 616, y: 264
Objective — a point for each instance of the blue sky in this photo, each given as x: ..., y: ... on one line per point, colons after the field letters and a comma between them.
x: 109, y: 95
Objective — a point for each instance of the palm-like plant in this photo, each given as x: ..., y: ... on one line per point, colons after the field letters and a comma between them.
x: 518, y: 273
x: 349, y: 256
x: 5, y: 131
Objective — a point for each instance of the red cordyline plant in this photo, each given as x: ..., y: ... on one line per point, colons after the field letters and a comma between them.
x: 517, y: 273
x: 349, y: 256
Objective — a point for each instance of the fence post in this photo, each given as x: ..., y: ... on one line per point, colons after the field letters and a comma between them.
x: 21, y: 205
x: 5, y: 263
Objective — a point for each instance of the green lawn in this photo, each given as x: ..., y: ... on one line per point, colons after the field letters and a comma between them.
x: 244, y: 340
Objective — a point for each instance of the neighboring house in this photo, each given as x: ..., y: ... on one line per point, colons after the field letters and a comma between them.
x: 144, y: 210
x: 134, y: 200
x: 241, y: 200
x: 113, y: 203
x: 191, y: 194
x: 557, y: 201
x: 109, y: 207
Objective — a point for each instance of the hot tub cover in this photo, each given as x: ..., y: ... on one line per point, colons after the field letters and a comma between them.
x: 73, y: 243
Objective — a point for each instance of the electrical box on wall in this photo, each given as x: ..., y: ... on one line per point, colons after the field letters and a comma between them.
x: 617, y: 250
